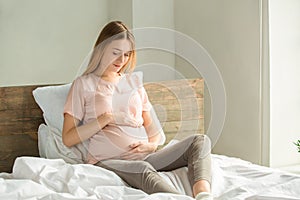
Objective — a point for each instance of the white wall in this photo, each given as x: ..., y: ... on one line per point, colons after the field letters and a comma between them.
x: 285, y: 82
x: 230, y: 32
x: 155, y: 63
x: 120, y: 10
x: 44, y: 42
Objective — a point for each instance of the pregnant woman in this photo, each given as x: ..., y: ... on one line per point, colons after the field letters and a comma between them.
x: 108, y: 107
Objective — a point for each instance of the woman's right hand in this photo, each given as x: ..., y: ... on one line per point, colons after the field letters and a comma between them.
x: 73, y: 133
x: 106, y: 117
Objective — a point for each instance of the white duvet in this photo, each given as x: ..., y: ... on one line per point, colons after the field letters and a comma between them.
x: 38, y: 178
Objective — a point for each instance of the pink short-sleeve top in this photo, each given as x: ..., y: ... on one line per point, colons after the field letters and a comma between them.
x: 90, y: 96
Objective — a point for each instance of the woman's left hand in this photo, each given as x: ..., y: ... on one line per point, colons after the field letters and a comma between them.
x: 139, y: 150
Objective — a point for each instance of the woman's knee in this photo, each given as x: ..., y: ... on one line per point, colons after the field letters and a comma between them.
x: 202, y: 143
x: 201, y: 139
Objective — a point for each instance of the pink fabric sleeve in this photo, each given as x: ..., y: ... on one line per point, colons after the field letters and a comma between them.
x: 75, y: 100
x: 145, y: 101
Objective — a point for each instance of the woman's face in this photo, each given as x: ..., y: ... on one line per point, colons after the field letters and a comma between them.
x: 116, y: 55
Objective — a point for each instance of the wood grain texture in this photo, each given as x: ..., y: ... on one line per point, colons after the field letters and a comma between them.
x: 178, y: 104
x: 20, y: 117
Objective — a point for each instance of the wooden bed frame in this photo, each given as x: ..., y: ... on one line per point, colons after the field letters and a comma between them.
x: 174, y: 102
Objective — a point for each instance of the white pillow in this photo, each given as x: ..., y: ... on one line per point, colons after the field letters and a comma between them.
x: 51, y: 146
x: 51, y: 99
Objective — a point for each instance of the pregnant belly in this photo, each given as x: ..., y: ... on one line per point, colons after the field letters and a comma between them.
x: 123, y: 136
x: 112, y: 141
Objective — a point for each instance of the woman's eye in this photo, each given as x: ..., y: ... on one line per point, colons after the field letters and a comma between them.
x: 120, y: 54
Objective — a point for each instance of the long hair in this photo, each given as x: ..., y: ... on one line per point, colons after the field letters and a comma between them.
x: 114, y: 30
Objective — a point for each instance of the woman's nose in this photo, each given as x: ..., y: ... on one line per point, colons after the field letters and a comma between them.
x: 121, y: 58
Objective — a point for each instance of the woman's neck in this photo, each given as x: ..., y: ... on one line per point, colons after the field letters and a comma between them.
x: 111, y: 77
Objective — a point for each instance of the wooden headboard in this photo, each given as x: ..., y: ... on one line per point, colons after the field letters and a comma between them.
x: 174, y: 102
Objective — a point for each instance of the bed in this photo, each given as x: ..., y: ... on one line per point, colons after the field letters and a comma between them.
x: 35, y: 165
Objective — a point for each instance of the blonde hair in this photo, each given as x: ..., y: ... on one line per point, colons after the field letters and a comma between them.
x: 114, y: 30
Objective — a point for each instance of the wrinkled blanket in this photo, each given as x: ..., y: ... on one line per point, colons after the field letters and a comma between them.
x: 38, y: 178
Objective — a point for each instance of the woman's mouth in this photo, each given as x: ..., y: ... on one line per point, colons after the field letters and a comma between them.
x: 117, y: 65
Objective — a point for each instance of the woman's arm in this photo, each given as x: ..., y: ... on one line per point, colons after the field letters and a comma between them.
x: 73, y: 134
x: 153, y: 132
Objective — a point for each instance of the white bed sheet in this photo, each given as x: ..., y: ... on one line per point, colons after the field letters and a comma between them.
x: 39, y: 178
x: 234, y: 178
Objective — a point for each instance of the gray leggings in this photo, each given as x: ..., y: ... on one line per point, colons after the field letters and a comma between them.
x: 193, y: 152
